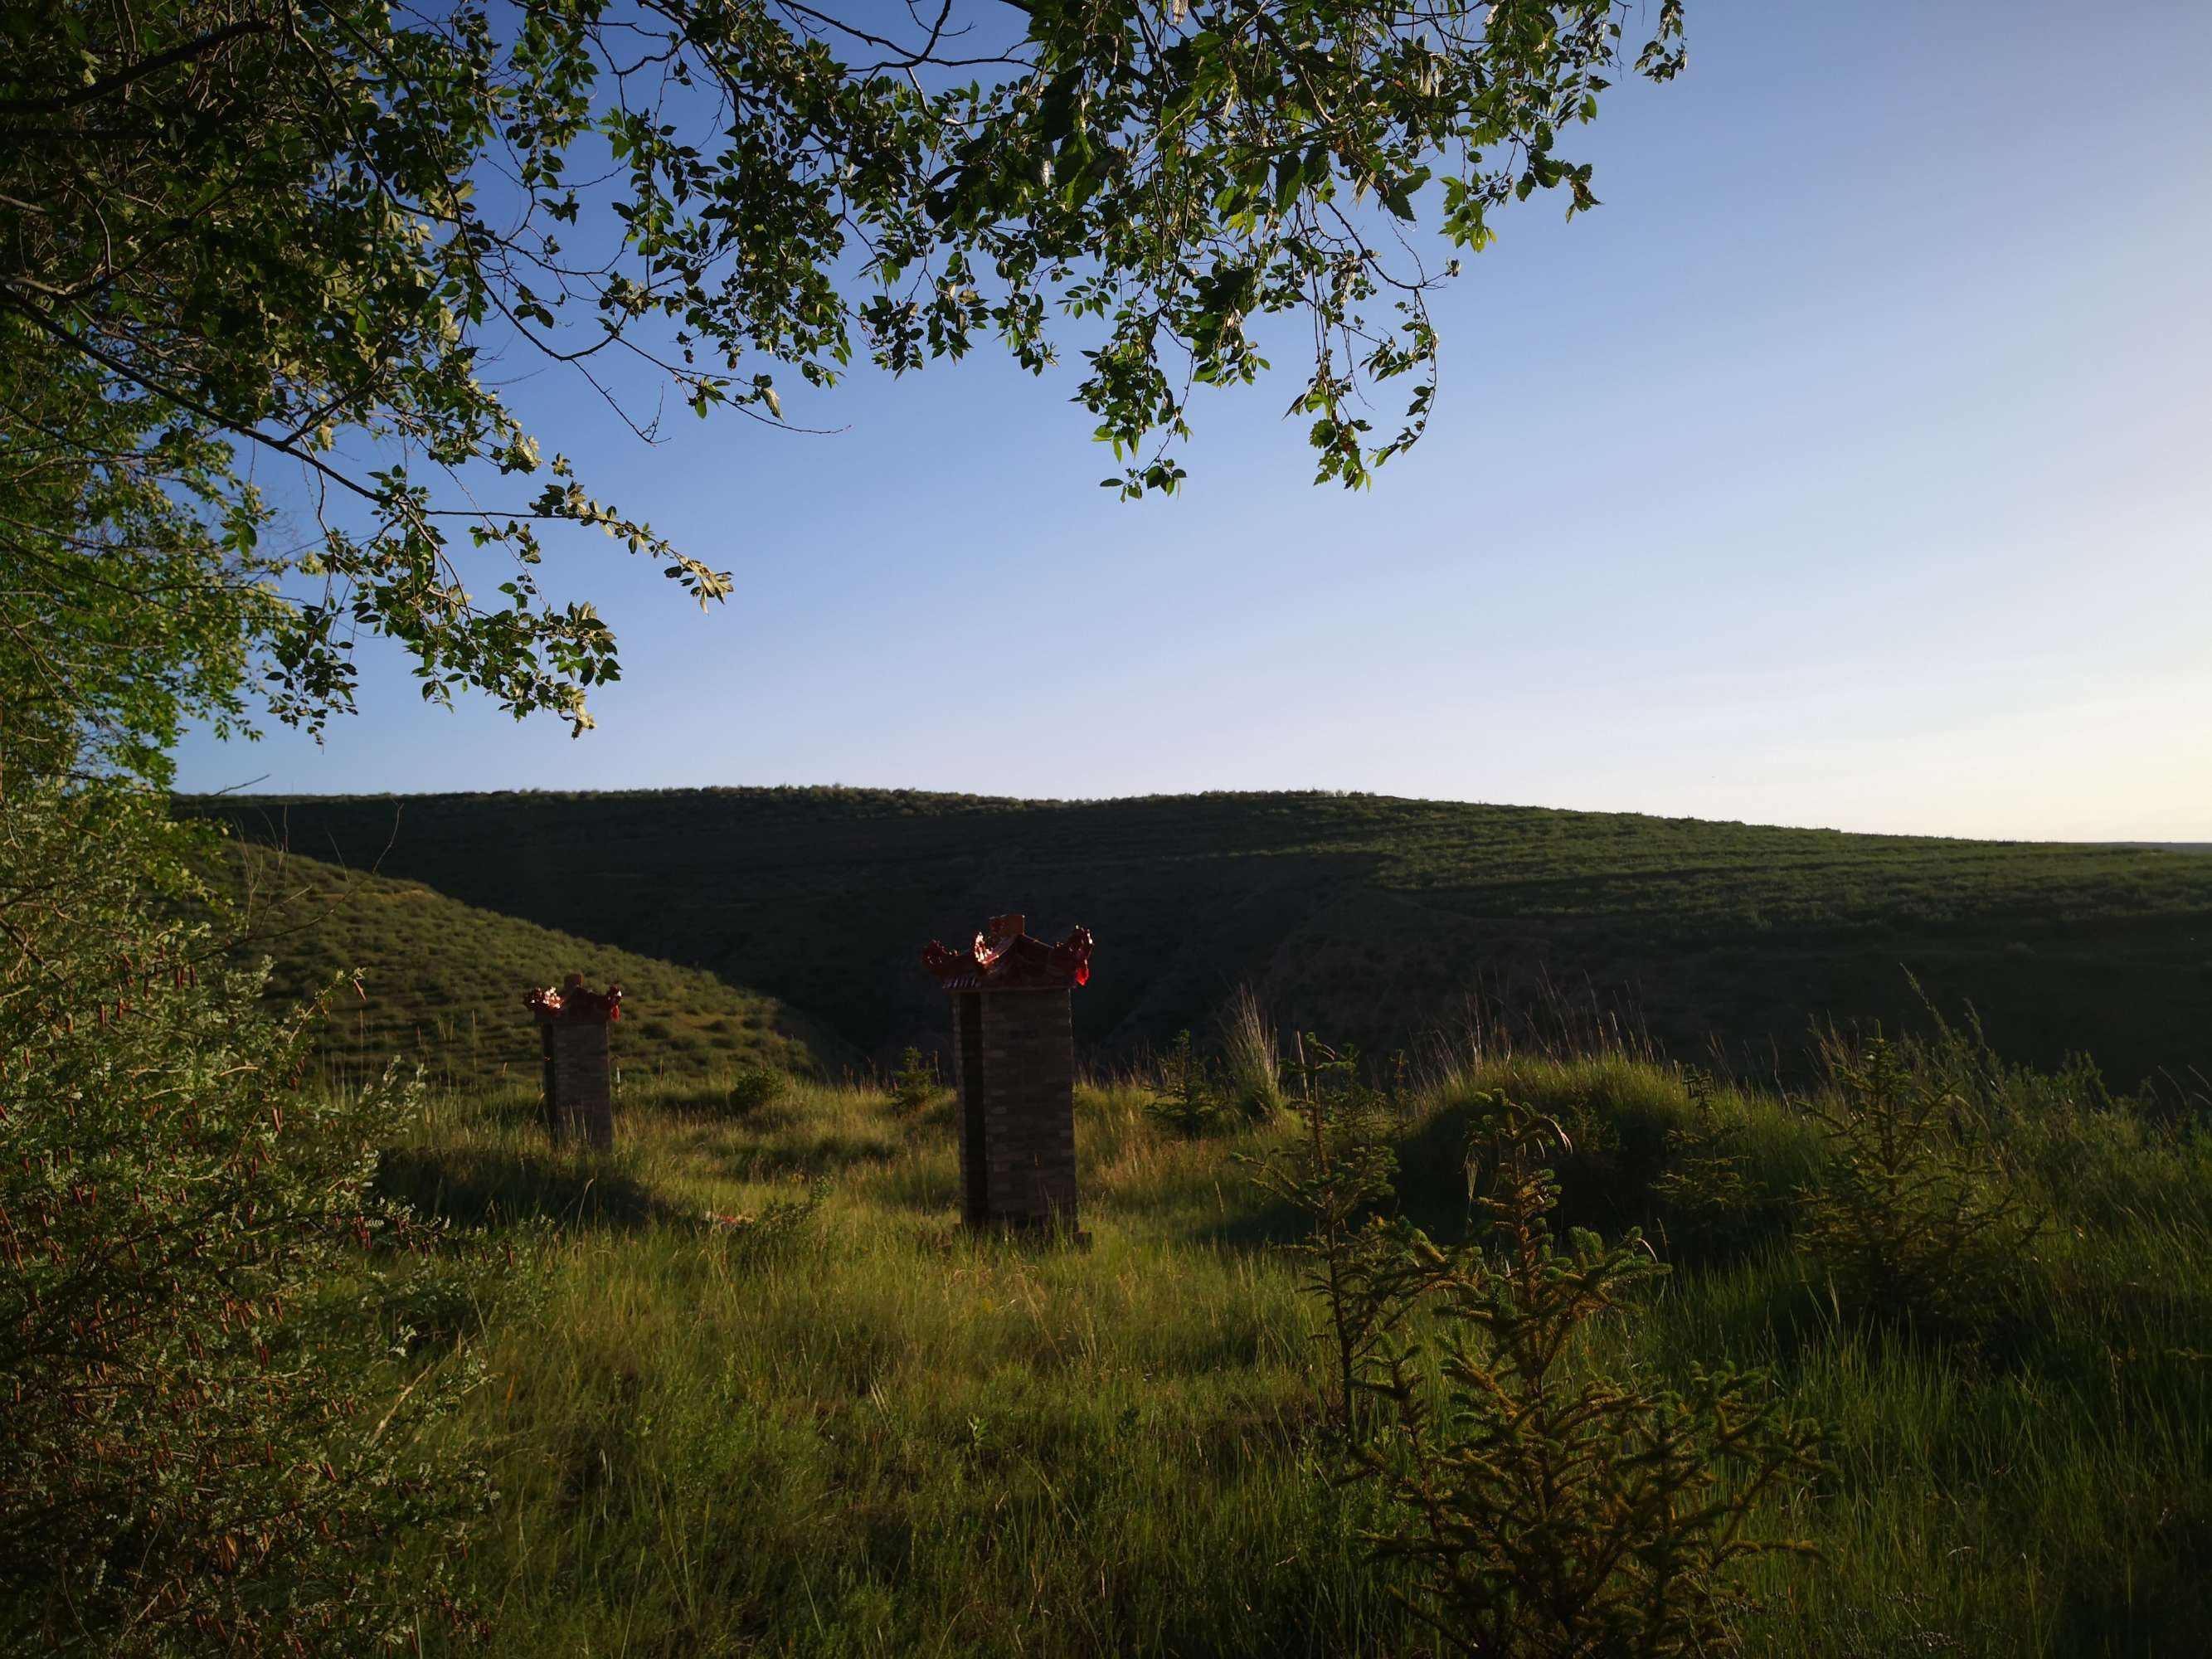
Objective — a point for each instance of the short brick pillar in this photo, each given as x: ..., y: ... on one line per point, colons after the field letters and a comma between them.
x: 1013, y: 1062
x: 573, y: 1024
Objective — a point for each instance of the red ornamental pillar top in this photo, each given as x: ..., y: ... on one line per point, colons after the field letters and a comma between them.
x: 1005, y: 958
x: 576, y: 1004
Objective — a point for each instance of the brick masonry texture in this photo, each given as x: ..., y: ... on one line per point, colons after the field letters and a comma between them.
x: 1013, y: 1058
x: 578, y: 1078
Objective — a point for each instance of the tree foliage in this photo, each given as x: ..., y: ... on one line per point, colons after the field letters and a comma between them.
x: 240, y: 236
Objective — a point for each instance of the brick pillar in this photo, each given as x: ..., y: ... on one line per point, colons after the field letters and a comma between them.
x: 578, y: 1097
x: 968, y: 1079
x: 1014, y: 1060
x: 1017, y: 1095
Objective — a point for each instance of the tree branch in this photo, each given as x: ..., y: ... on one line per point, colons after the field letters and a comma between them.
x: 183, y: 52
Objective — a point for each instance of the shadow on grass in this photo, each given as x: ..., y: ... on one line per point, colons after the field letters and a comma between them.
x: 482, y: 1186
x: 692, y: 1098
x: 2145, y: 1593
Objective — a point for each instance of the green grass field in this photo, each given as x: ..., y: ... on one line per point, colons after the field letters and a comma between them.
x: 860, y: 1431
x: 1368, y: 917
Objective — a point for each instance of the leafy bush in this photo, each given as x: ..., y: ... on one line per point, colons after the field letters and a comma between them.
x: 752, y: 1088
x: 1546, y: 1514
x: 207, y: 1444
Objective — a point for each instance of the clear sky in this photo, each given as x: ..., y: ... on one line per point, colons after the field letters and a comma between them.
x: 1851, y: 465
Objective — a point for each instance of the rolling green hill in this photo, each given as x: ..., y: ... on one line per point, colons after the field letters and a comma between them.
x: 1364, y: 916
x: 442, y: 983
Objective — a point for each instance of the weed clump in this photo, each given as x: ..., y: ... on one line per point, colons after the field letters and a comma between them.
x: 770, y: 1233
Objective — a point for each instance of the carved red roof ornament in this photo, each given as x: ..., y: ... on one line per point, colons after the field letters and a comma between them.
x: 576, y: 1004
x: 1004, y: 957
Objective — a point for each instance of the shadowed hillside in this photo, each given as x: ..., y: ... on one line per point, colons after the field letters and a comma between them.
x: 442, y: 983
x: 1362, y: 915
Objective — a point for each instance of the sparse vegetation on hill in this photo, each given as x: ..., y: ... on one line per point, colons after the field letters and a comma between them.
x: 1366, y: 916
x: 441, y: 983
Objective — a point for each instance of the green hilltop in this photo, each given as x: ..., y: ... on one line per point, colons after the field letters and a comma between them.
x: 1367, y: 917
x: 442, y: 982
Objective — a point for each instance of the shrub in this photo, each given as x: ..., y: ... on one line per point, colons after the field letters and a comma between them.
x: 1920, y: 1222
x: 1184, y: 1097
x: 914, y: 1085
x: 1710, y: 1196
x: 203, y: 1446
x: 752, y: 1088
x: 1366, y: 1268
x: 1545, y: 1515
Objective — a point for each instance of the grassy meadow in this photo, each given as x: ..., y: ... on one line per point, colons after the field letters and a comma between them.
x: 750, y: 1389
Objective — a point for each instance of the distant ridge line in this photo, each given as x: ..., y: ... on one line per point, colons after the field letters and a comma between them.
x: 214, y: 803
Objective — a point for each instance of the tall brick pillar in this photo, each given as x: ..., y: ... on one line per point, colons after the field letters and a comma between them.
x: 572, y: 1022
x: 1013, y: 1061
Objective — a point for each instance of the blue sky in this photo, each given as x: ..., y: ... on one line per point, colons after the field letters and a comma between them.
x: 1847, y: 467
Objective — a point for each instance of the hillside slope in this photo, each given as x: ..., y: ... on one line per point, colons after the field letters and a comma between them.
x: 442, y: 983
x: 1364, y: 916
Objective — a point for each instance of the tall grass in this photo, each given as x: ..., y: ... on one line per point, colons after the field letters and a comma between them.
x: 1251, y: 1058
x: 886, y: 1437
